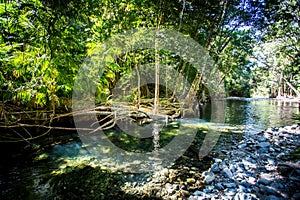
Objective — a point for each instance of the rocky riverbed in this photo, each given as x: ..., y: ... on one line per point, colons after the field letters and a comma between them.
x: 262, y: 165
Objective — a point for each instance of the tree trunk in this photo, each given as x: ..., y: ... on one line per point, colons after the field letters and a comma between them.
x: 139, y: 87
x: 217, y: 22
x: 192, y: 92
x: 279, y: 85
x: 292, y: 87
x: 179, y: 79
x: 213, y: 32
x: 156, y: 92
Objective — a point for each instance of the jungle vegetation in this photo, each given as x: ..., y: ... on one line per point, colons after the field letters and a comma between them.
x: 254, y: 44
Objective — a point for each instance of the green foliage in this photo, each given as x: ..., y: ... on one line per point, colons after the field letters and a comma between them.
x: 41, y: 49
x: 43, y: 43
x: 234, y: 62
x: 277, y: 55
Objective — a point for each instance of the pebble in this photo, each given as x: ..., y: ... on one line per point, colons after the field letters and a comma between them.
x: 251, y: 171
x: 272, y: 197
x: 219, y: 186
x: 229, y: 185
x: 190, y: 180
x: 263, y: 144
x: 228, y: 173
x: 215, y: 168
x: 198, y: 193
x: 242, y: 146
x: 264, y: 181
x: 296, y: 196
x: 248, y: 170
x: 261, y: 138
x: 217, y: 160
x: 209, y: 178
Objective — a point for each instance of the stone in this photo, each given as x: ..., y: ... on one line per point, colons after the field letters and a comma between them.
x: 244, y: 196
x: 165, y: 172
x: 198, y: 193
x: 253, y: 166
x: 268, y: 190
x: 264, y: 181
x: 173, y: 197
x: 272, y: 149
x: 171, y: 191
x: 230, y: 192
x: 263, y: 144
x: 228, y: 173
x: 209, y: 178
x: 271, y: 161
x: 251, y: 180
x: 219, y: 186
x: 184, y: 193
x: 190, y: 180
x: 240, y: 196
x: 245, y: 183
x: 225, y: 151
x: 277, y: 185
x: 232, y: 168
x: 239, y: 169
x: 217, y: 160
x: 168, y: 186
x: 242, y: 189
x: 229, y: 185
x: 242, y: 146
x: 271, y: 197
x: 296, y: 196
x: 207, y: 190
x: 215, y: 168
x: 261, y: 138
x: 247, y: 164
x: 269, y: 130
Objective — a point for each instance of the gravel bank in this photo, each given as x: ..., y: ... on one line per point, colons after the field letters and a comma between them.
x: 260, y: 166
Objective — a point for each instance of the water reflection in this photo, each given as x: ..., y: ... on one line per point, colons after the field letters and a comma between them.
x: 256, y: 114
x: 156, y: 137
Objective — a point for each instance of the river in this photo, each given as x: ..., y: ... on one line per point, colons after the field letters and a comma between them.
x: 49, y: 172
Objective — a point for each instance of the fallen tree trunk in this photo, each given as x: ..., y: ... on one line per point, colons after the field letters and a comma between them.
x: 15, y: 122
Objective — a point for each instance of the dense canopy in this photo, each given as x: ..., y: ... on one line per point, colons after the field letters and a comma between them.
x: 254, y: 43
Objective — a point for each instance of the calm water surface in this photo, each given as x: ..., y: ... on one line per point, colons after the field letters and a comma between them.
x: 257, y: 114
x: 25, y: 175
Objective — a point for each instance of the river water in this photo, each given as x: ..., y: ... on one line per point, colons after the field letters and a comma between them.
x: 37, y: 174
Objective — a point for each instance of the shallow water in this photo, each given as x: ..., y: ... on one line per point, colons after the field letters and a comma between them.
x: 34, y: 175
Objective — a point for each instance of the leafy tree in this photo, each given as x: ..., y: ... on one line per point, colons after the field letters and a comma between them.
x: 278, y: 53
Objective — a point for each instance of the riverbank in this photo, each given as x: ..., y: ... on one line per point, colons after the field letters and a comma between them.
x: 262, y: 165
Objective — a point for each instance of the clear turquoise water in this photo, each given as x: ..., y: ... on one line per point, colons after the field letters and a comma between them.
x: 26, y: 174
